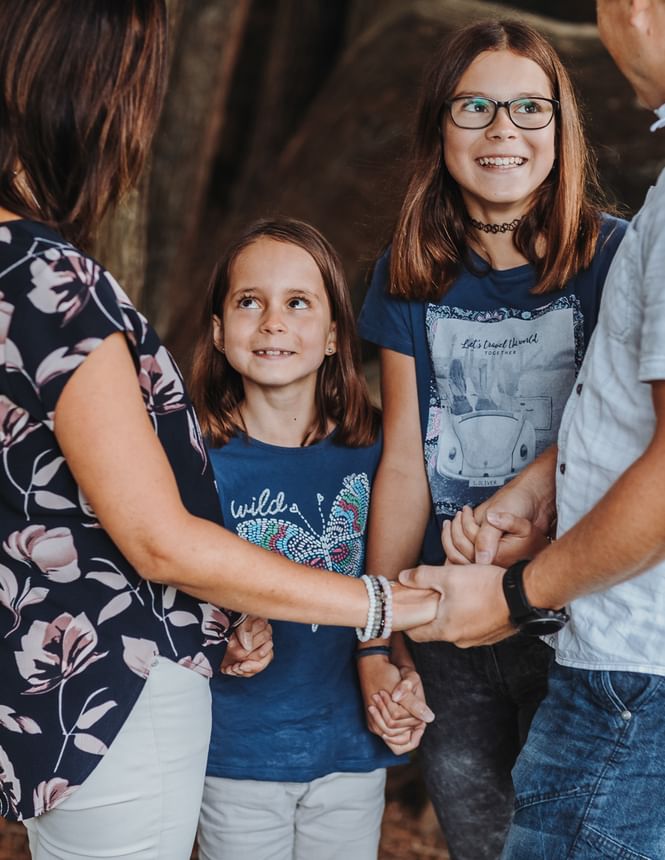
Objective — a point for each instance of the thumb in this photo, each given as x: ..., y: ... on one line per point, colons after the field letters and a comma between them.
x: 423, y: 577
x: 518, y: 526
x: 487, y: 542
x: 245, y: 637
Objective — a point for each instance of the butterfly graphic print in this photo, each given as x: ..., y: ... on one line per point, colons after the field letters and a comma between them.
x: 338, y: 545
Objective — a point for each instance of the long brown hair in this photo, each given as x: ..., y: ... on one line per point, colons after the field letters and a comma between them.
x: 341, y: 392
x: 81, y: 84
x: 430, y: 241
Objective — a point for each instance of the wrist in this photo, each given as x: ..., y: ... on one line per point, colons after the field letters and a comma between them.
x: 527, y: 616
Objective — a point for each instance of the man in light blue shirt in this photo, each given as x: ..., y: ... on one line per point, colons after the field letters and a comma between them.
x: 590, y: 782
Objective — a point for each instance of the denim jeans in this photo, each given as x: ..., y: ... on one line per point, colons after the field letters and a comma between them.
x: 590, y: 781
x: 484, y: 699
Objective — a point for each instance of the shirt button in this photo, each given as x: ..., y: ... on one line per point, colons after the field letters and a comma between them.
x: 562, y: 468
x: 626, y: 715
x: 579, y: 388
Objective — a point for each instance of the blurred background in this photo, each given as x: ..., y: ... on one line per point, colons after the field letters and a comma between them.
x: 305, y: 108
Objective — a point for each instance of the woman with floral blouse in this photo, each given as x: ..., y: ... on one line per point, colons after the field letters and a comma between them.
x: 112, y: 562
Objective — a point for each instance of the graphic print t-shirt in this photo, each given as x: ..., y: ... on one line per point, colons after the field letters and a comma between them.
x: 495, y: 365
x: 303, y: 716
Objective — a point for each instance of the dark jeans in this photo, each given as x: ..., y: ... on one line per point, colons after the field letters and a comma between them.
x: 484, y: 700
x: 590, y: 782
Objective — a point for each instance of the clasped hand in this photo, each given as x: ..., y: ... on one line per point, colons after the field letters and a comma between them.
x: 472, y: 609
x: 250, y: 648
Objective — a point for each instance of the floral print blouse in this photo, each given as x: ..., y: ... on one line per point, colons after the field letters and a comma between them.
x: 79, y: 628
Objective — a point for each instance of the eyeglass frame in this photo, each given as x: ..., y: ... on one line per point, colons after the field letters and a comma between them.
x: 556, y: 104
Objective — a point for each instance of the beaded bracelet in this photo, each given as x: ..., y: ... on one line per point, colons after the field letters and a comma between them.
x: 373, y: 649
x: 387, y: 619
x: 373, y: 618
x: 380, y: 611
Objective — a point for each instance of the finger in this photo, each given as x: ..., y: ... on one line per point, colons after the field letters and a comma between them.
x: 394, y: 735
x: 423, y: 577
x: 244, y: 636
x: 453, y: 555
x: 518, y: 526
x: 414, y: 705
x: 460, y: 538
x: 469, y: 524
x: 405, y: 743
x: 260, y: 639
x: 260, y: 653
x: 394, y: 716
x: 487, y: 543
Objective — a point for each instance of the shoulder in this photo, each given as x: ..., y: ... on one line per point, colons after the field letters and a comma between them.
x: 612, y: 231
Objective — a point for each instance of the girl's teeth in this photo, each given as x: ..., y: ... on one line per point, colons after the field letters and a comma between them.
x: 505, y: 161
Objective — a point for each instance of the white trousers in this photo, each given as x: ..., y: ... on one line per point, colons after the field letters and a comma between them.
x: 336, y: 817
x: 142, y: 800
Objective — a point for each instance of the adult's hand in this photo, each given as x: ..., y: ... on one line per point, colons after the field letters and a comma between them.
x: 472, y: 610
x: 490, y: 532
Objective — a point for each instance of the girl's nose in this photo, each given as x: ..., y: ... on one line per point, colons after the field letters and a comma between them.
x: 502, y: 127
x: 273, y: 320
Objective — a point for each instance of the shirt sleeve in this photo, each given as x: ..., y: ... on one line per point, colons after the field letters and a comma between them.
x: 385, y: 320
x: 652, y: 264
x: 65, y: 310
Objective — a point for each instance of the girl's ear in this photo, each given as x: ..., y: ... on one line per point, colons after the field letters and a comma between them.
x: 331, y: 342
x: 217, y: 333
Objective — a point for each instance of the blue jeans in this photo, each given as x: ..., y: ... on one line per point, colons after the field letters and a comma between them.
x: 484, y: 700
x: 590, y: 781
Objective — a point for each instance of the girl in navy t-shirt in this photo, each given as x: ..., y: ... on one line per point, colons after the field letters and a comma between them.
x: 294, y: 442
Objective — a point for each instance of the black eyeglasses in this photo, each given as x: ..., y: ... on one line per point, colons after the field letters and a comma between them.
x: 480, y: 111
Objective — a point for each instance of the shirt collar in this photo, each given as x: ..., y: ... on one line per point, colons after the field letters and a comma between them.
x: 660, y: 122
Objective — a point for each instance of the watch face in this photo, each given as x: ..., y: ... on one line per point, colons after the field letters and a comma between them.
x: 542, y: 626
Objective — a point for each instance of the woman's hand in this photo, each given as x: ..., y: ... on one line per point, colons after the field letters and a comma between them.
x: 250, y: 648
x: 395, y: 702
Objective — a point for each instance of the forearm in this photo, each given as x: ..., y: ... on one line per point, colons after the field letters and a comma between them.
x: 399, y: 512
x: 216, y: 566
x: 619, y: 538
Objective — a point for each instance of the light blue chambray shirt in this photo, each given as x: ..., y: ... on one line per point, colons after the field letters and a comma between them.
x: 608, y: 422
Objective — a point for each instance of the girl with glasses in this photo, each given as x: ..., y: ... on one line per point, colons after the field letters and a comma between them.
x: 483, y: 307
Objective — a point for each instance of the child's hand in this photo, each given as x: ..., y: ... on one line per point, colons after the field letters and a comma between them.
x: 399, y: 723
x: 521, y: 539
x: 250, y: 648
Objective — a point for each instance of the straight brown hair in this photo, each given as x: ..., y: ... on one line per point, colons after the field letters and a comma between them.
x: 430, y: 242
x: 341, y: 392
x: 81, y: 85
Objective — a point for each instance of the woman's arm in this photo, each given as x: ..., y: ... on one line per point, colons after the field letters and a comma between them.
x: 105, y: 434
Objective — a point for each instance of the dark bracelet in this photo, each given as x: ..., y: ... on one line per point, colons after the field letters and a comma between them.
x: 373, y: 649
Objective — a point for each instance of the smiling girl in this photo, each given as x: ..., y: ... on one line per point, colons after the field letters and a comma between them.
x: 293, y: 772
x: 483, y: 308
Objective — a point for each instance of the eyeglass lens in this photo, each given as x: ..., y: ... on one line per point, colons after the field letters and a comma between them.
x: 478, y: 112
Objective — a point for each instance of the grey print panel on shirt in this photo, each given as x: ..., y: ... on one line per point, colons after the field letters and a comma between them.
x: 500, y: 380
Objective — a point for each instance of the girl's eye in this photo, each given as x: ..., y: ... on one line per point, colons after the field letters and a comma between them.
x: 248, y: 302
x: 527, y: 106
x: 476, y: 106
x: 298, y: 302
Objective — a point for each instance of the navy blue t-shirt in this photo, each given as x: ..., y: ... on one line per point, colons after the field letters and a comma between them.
x: 495, y: 365
x: 303, y: 716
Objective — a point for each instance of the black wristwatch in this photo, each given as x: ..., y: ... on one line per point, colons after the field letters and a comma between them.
x: 527, y: 618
